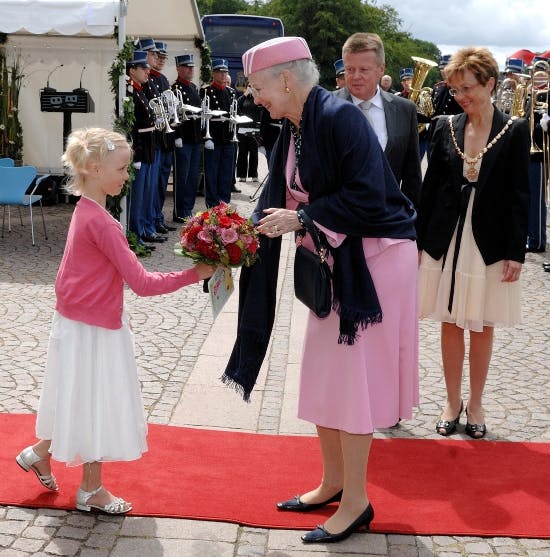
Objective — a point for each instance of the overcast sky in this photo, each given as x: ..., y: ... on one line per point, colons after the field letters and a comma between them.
x: 503, y: 26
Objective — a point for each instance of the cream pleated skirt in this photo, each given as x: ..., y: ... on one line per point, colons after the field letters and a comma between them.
x: 480, y: 297
x: 91, y: 406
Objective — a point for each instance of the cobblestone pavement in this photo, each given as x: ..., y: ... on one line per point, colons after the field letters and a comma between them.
x: 180, y: 350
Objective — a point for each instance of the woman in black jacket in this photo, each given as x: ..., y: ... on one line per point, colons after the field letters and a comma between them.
x: 471, y: 229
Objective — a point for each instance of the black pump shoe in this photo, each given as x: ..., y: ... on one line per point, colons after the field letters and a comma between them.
x: 320, y: 535
x: 296, y: 505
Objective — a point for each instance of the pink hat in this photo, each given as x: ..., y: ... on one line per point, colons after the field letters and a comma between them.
x: 273, y: 52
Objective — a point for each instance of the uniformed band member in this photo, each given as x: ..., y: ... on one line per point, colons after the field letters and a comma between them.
x: 219, y: 152
x: 166, y: 139
x: 139, y: 205
x: 406, y: 77
x: 164, y: 144
x: 247, y: 134
x: 188, y: 142
x: 340, y: 74
x: 536, y: 233
x: 151, y: 90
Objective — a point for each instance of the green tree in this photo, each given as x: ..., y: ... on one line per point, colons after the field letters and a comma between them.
x: 222, y: 6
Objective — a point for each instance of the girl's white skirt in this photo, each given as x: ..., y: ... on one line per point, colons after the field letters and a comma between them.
x: 91, y: 406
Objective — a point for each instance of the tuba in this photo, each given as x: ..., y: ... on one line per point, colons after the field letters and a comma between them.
x: 422, y: 96
x: 511, y: 95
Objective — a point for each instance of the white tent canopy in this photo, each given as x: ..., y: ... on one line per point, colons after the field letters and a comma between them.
x: 67, y: 17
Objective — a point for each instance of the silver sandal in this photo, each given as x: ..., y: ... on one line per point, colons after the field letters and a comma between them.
x: 116, y: 506
x: 27, y: 459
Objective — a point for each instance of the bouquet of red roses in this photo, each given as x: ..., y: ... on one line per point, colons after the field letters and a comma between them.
x: 219, y: 236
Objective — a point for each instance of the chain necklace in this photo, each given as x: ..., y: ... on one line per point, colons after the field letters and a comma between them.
x: 472, y: 171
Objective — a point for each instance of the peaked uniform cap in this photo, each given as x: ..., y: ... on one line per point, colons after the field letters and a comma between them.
x: 147, y: 44
x: 405, y: 73
x: 139, y: 58
x: 220, y: 64
x: 184, y: 60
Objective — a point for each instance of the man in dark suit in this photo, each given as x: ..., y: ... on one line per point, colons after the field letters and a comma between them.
x: 393, y: 118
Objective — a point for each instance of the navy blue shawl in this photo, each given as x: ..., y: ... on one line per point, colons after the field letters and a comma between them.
x: 352, y: 191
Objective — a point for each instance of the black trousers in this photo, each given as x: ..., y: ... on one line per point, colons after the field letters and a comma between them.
x: 247, y: 158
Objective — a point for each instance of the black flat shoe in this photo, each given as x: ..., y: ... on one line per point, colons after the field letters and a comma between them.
x: 296, y: 505
x: 320, y: 535
x: 447, y: 426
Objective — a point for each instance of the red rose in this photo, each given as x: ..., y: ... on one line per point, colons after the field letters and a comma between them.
x: 225, y: 221
x: 235, y: 253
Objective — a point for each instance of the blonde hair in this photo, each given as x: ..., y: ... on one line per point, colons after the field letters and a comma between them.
x: 362, y: 42
x: 84, y: 146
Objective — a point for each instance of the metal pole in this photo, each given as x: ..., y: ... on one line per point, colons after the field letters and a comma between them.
x: 122, y: 93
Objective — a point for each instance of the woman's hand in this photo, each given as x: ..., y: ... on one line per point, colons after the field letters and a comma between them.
x: 205, y: 271
x: 278, y: 222
x: 510, y: 271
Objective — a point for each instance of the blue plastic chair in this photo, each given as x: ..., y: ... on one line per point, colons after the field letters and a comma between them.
x: 7, y: 162
x: 14, y: 183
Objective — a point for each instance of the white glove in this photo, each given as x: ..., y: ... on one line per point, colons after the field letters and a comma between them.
x: 137, y: 165
x: 262, y: 151
x: 209, y: 144
x: 544, y: 122
x: 178, y: 142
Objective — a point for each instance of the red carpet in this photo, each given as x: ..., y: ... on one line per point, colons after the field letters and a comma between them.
x: 417, y: 486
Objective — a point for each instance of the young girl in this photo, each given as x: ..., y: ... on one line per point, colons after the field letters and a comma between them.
x: 91, y: 409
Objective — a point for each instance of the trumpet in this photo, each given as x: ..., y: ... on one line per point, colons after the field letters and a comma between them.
x: 161, y: 118
x: 206, y: 115
x: 422, y: 96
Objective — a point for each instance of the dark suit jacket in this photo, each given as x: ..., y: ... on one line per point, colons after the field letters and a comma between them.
x: 501, y: 196
x: 402, y: 149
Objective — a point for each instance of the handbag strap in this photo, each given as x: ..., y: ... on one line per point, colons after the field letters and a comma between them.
x: 318, y: 236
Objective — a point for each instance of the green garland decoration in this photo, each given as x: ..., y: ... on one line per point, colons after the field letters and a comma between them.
x: 206, y: 64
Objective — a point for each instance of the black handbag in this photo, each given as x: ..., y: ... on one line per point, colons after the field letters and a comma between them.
x: 312, y: 274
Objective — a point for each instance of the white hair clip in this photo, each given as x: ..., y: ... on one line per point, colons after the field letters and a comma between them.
x: 110, y: 144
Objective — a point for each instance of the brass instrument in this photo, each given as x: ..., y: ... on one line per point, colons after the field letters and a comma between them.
x: 540, y: 86
x: 206, y: 115
x: 171, y: 106
x: 511, y: 95
x: 422, y: 96
x: 161, y: 117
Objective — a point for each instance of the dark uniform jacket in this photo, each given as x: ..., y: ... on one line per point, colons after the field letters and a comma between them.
x: 144, y: 125
x: 501, y: 195
x: 221, y: 98
x: 190, y: 130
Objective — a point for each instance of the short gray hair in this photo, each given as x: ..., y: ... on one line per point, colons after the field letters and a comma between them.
x: 305, y: 71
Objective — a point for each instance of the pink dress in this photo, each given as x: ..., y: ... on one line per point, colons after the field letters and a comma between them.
x: 374, y: 382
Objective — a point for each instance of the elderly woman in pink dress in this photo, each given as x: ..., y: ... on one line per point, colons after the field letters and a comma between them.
x: 359, y: 369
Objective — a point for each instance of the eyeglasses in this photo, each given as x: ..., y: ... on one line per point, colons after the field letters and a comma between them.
x: 466, y: 90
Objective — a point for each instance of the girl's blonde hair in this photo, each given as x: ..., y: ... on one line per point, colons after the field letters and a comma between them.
x: 84, y: 146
